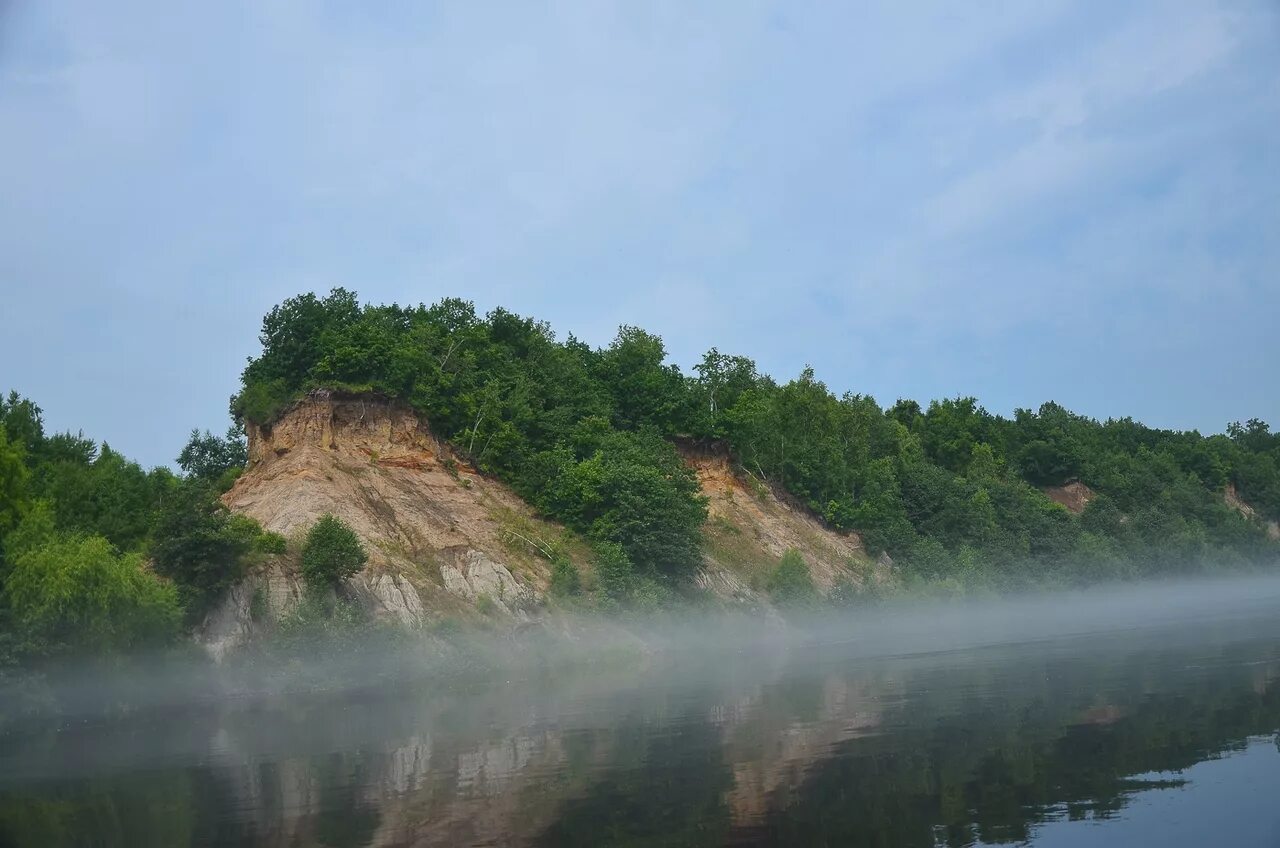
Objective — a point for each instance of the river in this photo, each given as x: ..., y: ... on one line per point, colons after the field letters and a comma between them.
x: 1064, y: 729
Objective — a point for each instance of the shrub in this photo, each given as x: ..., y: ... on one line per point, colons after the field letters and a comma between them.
x: 790, y: 582
x: 565, y: 579
x: 79, y: 594
x: 332, y: 552
x: 258, y: 607
x: 614, y: 574
x: 271, y: 543
x: 844, y: 593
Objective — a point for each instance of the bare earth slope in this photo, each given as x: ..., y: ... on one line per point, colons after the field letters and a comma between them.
x: 441, y: 536
x: 749, y: 528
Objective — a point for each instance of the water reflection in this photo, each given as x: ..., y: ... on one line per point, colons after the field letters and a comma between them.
x: 820, y: 747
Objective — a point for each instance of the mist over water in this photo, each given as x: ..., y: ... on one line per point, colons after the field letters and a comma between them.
x: 1063, y: 719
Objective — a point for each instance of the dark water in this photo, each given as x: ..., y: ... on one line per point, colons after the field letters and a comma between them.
x: 1161, y: 734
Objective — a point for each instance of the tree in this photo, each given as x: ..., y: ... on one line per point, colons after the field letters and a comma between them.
x: 332, y: 552
x: 645, y: 391
x: 721, y: 381
x: 78, y: 594
x: 631, y: 489
x: 23, y: 422
x: 1048, y: 464
x: 1254, y: 435
x: 199, y: 545
x: 14, y: 484
x: 208, y: 457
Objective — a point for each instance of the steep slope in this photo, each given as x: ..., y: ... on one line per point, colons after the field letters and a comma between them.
x: 444, y: 539
x: 440, y: 536
x: 1075, y: 496
x: 1231, y: 497
x: 749, y: 527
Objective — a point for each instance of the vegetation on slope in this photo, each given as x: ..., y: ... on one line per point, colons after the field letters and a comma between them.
x: 98, y: 553
x: 78, y: 525
x: 949, y: 490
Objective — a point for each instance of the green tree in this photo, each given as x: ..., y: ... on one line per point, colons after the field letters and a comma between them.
x: 73, y: 595
x: 631, y: 489
x: 22, y: 421
x: 201, y: 546
x: 645, y: 391
x: 208, y: 457
x: 14, y: 484
x: 332, y: 552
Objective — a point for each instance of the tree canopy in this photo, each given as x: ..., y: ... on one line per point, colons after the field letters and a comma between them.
x: 947, y: 489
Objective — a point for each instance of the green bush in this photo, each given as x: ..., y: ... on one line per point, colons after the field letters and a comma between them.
x: 565, y: 580
x: 614, y: 573
x: 72, y: 595
x: 331, y: 553
x: 271, y: 543
x: 790, y: 582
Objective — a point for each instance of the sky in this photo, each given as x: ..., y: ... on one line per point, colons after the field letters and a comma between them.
x: 1018, y: 201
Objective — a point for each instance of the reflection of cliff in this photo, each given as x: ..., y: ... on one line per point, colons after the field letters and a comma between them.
x: 988, y: 756
x: 775, y: 741
x: 816, y: 747
x: 548, y: 776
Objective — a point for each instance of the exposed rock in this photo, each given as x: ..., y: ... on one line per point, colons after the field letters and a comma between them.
x: 441, y: 536
x: 1232, y: 499
x: 473, y: 575
x: 725, y: 584
x: 393, y: 597
x: 238, y: 618
x: 1075, y: 496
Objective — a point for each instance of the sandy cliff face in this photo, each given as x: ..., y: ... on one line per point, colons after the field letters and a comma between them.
x: 1075, y: 496
x: 439, y: 535
x: 444, y: 539
x: 1232, y: 499
x: 749, y: 528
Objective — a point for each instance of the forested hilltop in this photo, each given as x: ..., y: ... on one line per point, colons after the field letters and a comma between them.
x: 98, y: 555
x: 949, y: 491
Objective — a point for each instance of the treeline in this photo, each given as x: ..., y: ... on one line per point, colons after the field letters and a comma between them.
x: 950, y: 491
x: 101, y: 557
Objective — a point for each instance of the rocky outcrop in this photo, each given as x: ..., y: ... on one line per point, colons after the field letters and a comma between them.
x: 249, y: 608
x: 474, y: 576
x: 395, y: 597
x: 1231, y: 496
x: 1075, y: 496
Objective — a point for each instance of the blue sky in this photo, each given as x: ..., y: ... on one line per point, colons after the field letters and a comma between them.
x: 1018, y: 201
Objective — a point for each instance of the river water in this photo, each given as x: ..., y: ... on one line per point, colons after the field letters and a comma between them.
x: 1131, y: 729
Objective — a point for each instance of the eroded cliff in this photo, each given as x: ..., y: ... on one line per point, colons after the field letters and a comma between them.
x: 444, y: 539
